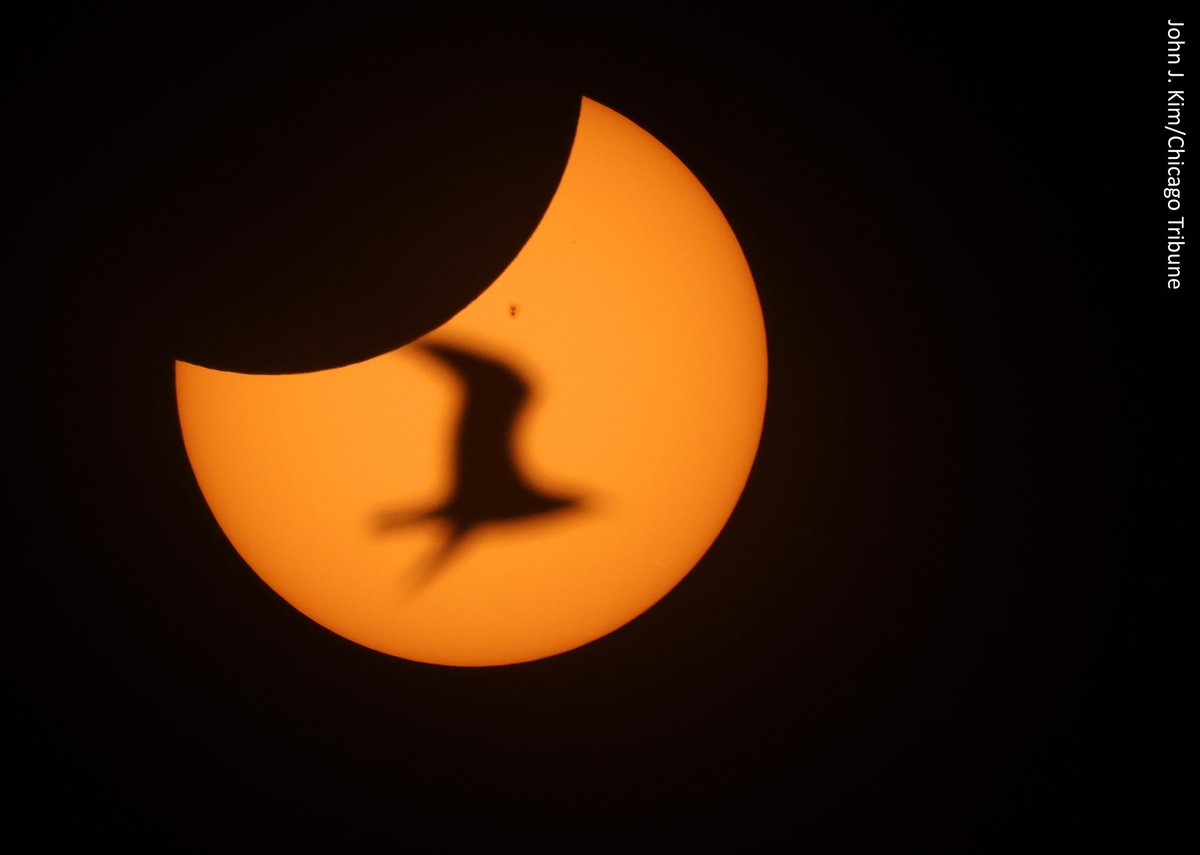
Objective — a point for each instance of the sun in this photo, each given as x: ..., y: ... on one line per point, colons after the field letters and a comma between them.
x: 632, y: 326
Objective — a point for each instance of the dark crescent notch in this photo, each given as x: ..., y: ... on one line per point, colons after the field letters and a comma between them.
x: 338, y: 208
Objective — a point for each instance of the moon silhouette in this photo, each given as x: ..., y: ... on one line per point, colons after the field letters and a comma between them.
x: 537, y: 471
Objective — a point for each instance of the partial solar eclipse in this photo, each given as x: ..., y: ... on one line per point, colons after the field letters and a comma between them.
x: 536, y: 472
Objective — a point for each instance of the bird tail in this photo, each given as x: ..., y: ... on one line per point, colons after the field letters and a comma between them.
x: 434, y: 563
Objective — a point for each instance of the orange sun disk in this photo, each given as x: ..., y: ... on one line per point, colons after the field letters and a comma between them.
x: 632, y: 315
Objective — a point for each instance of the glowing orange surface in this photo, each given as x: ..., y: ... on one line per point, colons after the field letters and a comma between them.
x: 639, y: 329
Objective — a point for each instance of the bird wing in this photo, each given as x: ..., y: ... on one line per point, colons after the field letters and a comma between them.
x: 493, y: 396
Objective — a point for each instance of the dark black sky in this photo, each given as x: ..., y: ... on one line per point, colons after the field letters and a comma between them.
x: 947, y: 614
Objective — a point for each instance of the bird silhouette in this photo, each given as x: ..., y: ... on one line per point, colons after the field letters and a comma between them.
x: 487, y: 485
